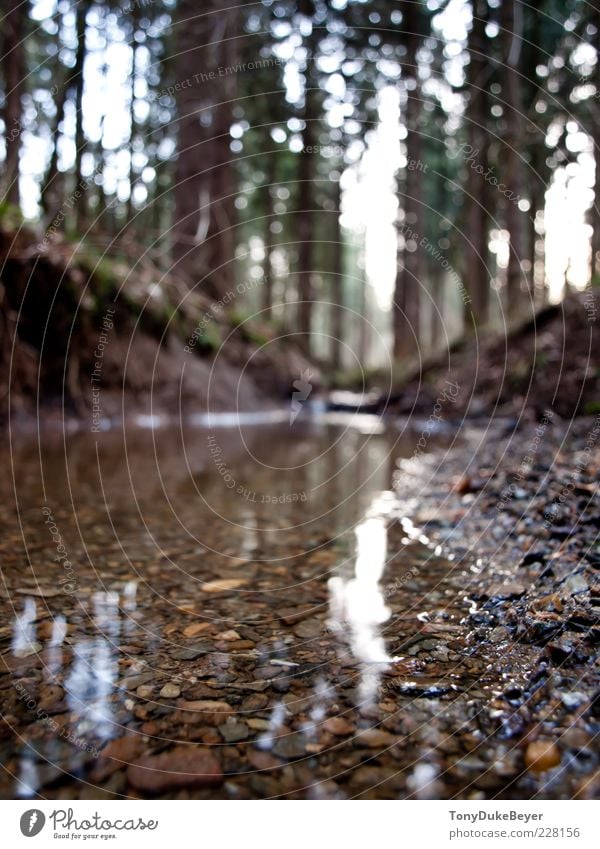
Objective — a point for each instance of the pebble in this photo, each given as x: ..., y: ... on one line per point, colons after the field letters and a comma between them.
x: 182, y: 766
x: 541, y: 755
x: 290, y: 746
x: 223, y: 585
x: 170, y: 691
x: 195, y: 629
x: 233, y: 730
x: 338, y: 726
x: 499, y: 634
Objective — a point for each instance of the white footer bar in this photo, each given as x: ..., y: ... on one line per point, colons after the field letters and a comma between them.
x: 298, y: 825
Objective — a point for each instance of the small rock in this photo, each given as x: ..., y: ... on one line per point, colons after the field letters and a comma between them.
x: 258, y: 724
x: 499, y: 634
x: 233, y: 730
x: 576, y: 584
x: 195, y: 629
x: 374, y: 738
x: 573, y: 700
x: 183, y: 766
x: 338, y: 726
x: 291, y: 746
x: 228, y: 636
x: 508, y: 590
x: 170, y: 691
x: 222, y: 585
x: 308, y: 629
x: 292, y: 615
x: 541, y: 755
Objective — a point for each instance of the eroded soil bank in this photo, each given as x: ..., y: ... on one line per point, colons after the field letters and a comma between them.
x: 349, y: 618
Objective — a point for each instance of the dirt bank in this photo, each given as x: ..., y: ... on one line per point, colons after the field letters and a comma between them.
x: 83, y: 332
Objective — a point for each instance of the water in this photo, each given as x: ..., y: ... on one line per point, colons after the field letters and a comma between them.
x: 152, y: 571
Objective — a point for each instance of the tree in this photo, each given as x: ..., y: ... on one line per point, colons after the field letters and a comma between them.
x: 475, y: 244
x: 13, y: 70
x: 511, y: 19
x: 407, y: 313
x: 204, y: 189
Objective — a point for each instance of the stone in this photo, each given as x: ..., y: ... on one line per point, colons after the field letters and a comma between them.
x: 182, y: 766
x: 541, y: 755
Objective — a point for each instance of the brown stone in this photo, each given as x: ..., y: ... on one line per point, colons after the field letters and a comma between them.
x: 183, y: 766
x: 542, y: 755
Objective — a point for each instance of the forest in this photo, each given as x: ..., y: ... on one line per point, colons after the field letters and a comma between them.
x: 300, y: 399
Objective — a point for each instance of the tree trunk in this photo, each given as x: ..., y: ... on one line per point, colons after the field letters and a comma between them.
x: 204, y: 190
x: 595, y: 211
x: 267, y: 294
x: 52, y: 189
x: 409, y: 280
x: 304, y: 218
x: 80, y: 193
x: 436, y: 329
x: 135, y: 15
x: 337, y: 286
x: 14, y: 72
x: 476, y: 274
x: 512, y: 150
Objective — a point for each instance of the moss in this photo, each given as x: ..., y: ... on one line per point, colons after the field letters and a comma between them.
x: 11, y: 216
x: 591, y: 408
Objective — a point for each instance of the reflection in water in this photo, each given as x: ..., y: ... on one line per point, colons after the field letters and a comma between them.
x: 324, y: 696
x: 267, y: 738
x: 357, y: 605
x: 28, y: 781
x: 94, y: 671
x: 23, y: 641
x: 89, y: 685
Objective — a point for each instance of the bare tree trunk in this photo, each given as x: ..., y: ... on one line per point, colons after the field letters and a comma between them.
x: 476, y: 274
x: 512, y: 150
x: 595, y: 211
x: 437, y: 308
x: 337, y: 286
x: 364, y: 336
x: 80, y: 194
x: 305, y: 216
x: 267, y: 295
x: 52, y: 189
x: 13, y: 69
x: 409, y: 281
x: 204, y: 190
x: 135, y: 15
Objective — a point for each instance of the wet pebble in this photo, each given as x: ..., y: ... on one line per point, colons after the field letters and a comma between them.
x: 182, y: 766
